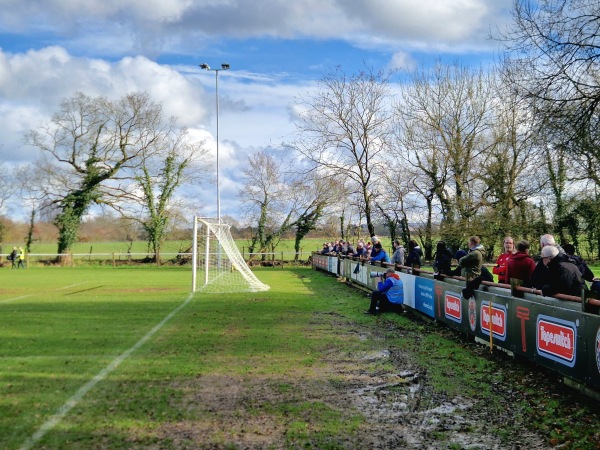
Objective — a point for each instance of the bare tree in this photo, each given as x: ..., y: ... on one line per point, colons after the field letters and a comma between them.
x: 174, y: 160
x: 87, y: 143
x: 443, y: 131
x: 344, y: 127
x: 511, y: 173
x: 266, y: 199
x: 553, y: 61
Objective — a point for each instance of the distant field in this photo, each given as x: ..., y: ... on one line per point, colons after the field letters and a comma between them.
x: 173, y: 247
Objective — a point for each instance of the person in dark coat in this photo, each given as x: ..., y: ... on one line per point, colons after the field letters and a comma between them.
x: 414, y: 255
x: 520, y: 265
x: 442, y: 259
x: 563, y: 277
x: 586, y: 272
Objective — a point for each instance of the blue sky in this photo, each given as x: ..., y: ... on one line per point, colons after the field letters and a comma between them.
x: 277, y: 50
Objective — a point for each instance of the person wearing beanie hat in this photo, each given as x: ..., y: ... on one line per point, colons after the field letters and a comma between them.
x: 563, y: 277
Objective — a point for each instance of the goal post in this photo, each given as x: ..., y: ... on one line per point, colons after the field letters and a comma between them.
x: 217, y: 264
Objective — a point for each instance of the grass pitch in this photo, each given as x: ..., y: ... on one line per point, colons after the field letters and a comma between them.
x: 103, y: 358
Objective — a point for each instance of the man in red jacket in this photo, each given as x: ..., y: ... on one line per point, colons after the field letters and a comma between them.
x: 520, y: 265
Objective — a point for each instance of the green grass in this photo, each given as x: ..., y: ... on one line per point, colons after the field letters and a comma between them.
x: 61, y: 327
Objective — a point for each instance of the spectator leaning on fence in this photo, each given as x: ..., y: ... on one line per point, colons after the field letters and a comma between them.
x: 585, y: 271
x: 398, y: 256
x: 520, y: 265
x: 541, y: 275
x: 379, y: 254
x: 470, y: 265
x: 564, y: 277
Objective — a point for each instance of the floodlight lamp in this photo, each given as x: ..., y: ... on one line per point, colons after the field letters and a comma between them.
x: 225, y: 66
x: 205, y: 66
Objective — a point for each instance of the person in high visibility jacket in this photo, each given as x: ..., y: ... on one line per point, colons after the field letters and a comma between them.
x: 21, y: 258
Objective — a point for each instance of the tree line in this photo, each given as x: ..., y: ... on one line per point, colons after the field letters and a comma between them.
x: 510, y: 149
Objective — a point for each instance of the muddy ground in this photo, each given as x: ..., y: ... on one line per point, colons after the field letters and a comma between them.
x: 402, y: 408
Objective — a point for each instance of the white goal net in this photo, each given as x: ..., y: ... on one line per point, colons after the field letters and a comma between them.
x: 217, y: 264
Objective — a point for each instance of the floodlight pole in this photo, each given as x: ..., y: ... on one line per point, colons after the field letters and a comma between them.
x: 224, y: 66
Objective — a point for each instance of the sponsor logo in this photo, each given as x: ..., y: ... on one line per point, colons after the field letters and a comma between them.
x: 598, y: 349
x: 556, y: 339
x: 322, y: 262
x: 424, y: 296
x: 452, y: 308
x: 472, y: 314
x: 494, y: 319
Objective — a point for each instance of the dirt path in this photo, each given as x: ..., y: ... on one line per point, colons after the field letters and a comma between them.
x: 402, y: 407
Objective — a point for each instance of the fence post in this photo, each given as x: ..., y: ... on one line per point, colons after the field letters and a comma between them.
x: 113, y: 258
x: 72, y: 260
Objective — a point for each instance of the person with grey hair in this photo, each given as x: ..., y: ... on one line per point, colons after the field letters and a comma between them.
x: 548, y: 240
x: 399, y: 252
x: 389, y: 293
x: 563, y: 277
x: 540, y: 275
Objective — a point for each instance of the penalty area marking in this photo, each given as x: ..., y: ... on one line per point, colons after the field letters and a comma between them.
x: 76, y: 398
x: 29, y: 295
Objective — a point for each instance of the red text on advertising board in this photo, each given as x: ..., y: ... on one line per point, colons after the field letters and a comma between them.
x: 498, y: 320
x: 453, y: 307
x: 556, y: 339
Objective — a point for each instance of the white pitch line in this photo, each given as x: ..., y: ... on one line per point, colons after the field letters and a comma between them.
x: 73, y: 285
x: 29, y: 295
x: 76, y: 398
x: 15, y: 298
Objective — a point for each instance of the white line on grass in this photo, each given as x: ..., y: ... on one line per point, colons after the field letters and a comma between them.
x: 76, y: 398
x: 15, y: 298
x: 29, y: 295
x: 73, y: 285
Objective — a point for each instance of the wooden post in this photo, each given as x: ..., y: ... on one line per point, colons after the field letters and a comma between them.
x: 113, y: 258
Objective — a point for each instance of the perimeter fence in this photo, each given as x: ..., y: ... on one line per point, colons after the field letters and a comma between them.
x: 166, y: 258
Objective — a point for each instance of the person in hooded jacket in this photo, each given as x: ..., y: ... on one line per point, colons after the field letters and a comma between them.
x: 520, y: 265
x: 389, y: 293
x: 586, y: 272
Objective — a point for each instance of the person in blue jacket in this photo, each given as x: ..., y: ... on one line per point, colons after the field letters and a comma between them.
x: 389, y: 293
x: 379, y: 254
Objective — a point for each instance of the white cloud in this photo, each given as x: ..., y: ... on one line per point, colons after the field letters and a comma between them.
x: 151, y: 27
x: 402, y: 61
x: 254, y: 109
